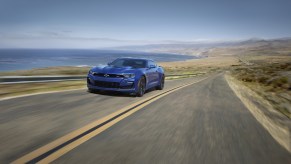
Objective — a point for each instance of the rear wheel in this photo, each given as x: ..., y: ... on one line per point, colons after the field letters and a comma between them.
x: 162, y: 83
x: 141, y: 87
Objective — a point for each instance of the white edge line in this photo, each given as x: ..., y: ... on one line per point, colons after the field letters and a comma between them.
x: 40, y: 93
x: 40, y: 81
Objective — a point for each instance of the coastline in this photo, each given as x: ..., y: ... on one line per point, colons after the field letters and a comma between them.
x: 27, y: 59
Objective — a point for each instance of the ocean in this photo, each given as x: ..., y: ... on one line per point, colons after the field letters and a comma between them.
x: 24, y: 59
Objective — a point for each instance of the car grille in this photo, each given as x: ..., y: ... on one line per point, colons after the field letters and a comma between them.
x: 106, y: 84
x: 108, y: 75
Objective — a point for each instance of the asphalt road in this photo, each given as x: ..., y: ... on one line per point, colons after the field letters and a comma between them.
x: 201, y: 123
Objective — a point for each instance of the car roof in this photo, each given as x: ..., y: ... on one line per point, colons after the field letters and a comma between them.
x: 136, y: 58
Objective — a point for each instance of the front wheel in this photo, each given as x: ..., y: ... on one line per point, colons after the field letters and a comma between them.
x: 141, y: 87
x: 162, y: 83
x: 93, y: 90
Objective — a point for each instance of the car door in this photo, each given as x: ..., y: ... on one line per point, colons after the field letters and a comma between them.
x: 153, y: 73
x: 156, y: 73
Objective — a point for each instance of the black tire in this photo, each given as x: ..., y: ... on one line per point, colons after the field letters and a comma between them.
x: 93, y: 90
x: 141, y: 87
x: 162, y: 83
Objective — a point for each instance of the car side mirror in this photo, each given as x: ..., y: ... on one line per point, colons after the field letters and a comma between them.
x: 152, y: 66
x: 109, y: 63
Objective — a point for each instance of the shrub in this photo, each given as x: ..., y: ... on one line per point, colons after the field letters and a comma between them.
x: 279, y: 82
x: 248, y: 79
x: 263, y: 79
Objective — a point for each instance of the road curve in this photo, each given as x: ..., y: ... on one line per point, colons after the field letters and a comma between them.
x: 201, y: 123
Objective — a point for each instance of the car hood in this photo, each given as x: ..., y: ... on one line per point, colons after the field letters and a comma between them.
x: 113, y: 70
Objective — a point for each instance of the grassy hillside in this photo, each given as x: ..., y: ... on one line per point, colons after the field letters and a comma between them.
x: 270, y: 79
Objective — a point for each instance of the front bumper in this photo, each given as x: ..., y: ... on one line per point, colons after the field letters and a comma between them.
x: 111, y: 84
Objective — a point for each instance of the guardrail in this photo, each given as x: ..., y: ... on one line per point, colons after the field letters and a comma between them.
x: 42, y: 79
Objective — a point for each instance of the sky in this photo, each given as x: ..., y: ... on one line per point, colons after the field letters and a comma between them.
x: 106, y: 23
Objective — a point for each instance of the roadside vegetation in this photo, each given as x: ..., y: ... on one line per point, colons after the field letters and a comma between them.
x: 270, y: 79
x: 10, y: 90
x: 66, y: 70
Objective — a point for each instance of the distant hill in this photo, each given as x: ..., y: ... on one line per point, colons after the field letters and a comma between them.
x: 200, y: 49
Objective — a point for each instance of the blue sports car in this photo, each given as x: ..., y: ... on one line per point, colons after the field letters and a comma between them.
x: 130, y: 75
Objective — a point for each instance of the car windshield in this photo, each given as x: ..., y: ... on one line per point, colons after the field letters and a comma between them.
x: 135, y: 63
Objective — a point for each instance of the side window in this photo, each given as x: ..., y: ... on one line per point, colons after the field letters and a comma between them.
x: 118, y: 63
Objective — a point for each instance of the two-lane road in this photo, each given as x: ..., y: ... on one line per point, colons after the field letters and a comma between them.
x: 201, y: 123
x: 28, y: 123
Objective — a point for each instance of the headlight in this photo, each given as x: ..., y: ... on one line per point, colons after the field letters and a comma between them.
x: 129, y: 75
x: 92, y: 73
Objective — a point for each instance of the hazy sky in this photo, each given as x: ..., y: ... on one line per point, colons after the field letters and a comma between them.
x: 101, y: 23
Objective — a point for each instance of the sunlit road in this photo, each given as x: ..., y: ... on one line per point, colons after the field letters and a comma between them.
x: 201, y: 123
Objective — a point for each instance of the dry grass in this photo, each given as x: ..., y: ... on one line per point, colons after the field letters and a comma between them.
x: 270, y: 79
x: 204, y: 65
x: 49, y: 71
x: 9, y: 90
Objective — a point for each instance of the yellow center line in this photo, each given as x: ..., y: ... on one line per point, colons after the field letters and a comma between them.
x: 136, y: 106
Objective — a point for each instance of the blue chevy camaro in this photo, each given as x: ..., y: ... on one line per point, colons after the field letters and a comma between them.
x: 131, y: 75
